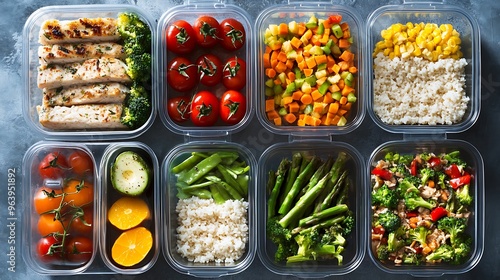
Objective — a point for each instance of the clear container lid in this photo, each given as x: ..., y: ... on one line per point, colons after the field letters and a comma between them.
x: 354, y: 249
x: 170, y: 200
x: 475, y: 227
x: 300, y: 11
x: 32, y: 95
x: 438, y: 13
x: 224, y: 14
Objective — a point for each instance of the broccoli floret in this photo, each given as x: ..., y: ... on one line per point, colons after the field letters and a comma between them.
x: 462, y: 249
x: 444, y: 253
x: 413, y: 200
x: 453, y: 226
x: 139, y: 67
x: 426, y: 174
x: 411, y: 258
x: 389, y: 221
x: 405, y: 159
x: 407, y: 183
x: 348, y: 223
x: 333, y: 235
x: 441, y: 176
x: 382, y: 252
x: 131, y: 26
x: 463, y: 195
x: 282, y: 237
x: 137, y: 45
x: 307, y: 241
x: 425, y: 156
x: 454, y: 157
x: 419, y: 234
x: 400, y: 170
x: 285, y: 250
x: 394, y: 243
x: 385, y: 196
x: 137, y: 108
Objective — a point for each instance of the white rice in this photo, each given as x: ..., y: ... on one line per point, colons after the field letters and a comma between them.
x: 416, y: 91
x: 211, y: 232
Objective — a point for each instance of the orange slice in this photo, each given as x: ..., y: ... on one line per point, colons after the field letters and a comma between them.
x: 132, y: 246
x: 128, y: 212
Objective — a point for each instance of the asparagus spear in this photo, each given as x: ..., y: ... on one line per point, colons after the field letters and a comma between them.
x: 292, y: 175
x: 325, y: 201
x: 317, y: 217
x: 328, y: 223
x: 280, y: 177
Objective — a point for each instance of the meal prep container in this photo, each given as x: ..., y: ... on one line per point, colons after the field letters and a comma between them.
x: 103, y: 235
x: 429, y: 12
x: 32, y: 95
x: 189, y: 12
x: 301, y: 11
x: 109, y: 195
x: 169, y: 202
x: 355, y: 247
x: 476, y: 221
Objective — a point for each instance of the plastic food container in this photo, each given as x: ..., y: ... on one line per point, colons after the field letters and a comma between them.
x: 475, y: 226
x: 190, y: 12
x: 170, y: 216
x: 439, y: 13
x: 355, y: 247
x: 300, y: 11
x: 109, y: 196
x: 32, y: 95
x: 72, y: 174
x: 41, y: 209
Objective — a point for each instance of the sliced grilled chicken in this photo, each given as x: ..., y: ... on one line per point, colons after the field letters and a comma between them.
x: 96, y: 70
x: 54, y: 31
x: 70, y: 53
x: 86, y: 94
x: 92, y: 116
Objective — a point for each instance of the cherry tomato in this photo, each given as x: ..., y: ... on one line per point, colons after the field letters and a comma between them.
x: 80, y: 163
x: 210, y: 69
x: 181, y: 38
x: 53, y: 166
x: 81, y: 221
x: 232, y: 107
x: 234, y: 73
x: 48, y: 223
x: 78, y: 249
x: 182, y: 74
x: 233, y: 34
x: 49, y: 249
x: 204, y: 109
x: 47, y: 199
x: 207, y: 31
x: 178, y: 108
x: 78, y: 193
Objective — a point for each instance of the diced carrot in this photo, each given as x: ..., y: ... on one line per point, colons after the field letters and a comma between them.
x: 296, y: 95
x: 325, y: 120
x: 306, y: 99
x: 302, y: 65
x: 282, y: 56
x: 315, y: 39
x: 333, y: 108
x: 325, y: 37
x: 346, y: 34
x: 341, y: 84
x: 290, y: 118
x: 347, y: 106
x: 343, y: 43
x: 316, y: 122
x: 330, y: 115
x: 270, y: 72
x: 335, y: 120
x: 347, y: 56
x: 302, y: 29
x: 344, y: 65
x: 344, y: 26
x: 311, y: 62
x: 280, y: 67
x: 287, y: 100
x: 353, y: 69
x: 277, y: 81
x: 320, y: 81
x: 271, y: 115
x: 343, y: 100
x: 308, y: 120
x: 299, y: 58
x: 274, y: 59
x: 327, y: 98
x: 333, y: 88
x: 335, y: 69
x: 301, y: 122
x: 315, y: 94
x: 283, y: 29
x: 346, y: 90
x: 342, y: 112
x: 318, y: 107
x: 295, y: 42
x: 289, y: 64
x: 293, y: 107
x: 267, y: 60
x: 330, y: 61
x: 269, y: 105
x: 308, y: 71
x: 277, y: 121
x: 320, y: 59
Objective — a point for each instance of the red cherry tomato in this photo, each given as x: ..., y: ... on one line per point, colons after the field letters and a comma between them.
x: 232, y: 107
x: 204, y: 109
x: 46, y: 199
x: 80, y: 163
x: 178, y: 108
x: 78, y: 249
x: 210, y: 69
x: 207, y: 31
x: 234, y: 73
x: 233, y: 34
x: 181, y: 38
x: 80, y: 223
x: 50, y: 249
x: 53, y: 166
x: 182, y: 74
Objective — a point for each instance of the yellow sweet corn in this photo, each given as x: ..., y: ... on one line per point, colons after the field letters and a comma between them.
x: 428, y: 40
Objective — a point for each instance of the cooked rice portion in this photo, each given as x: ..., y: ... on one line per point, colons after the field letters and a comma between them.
x: 416, y: 91
x: 211, y: 232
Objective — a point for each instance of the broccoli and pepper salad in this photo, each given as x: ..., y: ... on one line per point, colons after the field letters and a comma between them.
x: 308, y: 213
x: 420, y: 208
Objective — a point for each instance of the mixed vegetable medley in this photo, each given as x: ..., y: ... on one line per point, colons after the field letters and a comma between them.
x: 421, y: 204
x: 310, y: 72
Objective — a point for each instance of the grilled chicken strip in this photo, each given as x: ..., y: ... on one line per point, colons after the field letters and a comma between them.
x: 70, y: 53
x: 92, y: 116
x: 98, y: 70
x: 86, y: 94
x: 54, y: 31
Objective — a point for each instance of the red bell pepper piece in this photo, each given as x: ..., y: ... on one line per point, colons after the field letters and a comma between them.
x: 460, y: 181
x: 437, y: 213
x: 411, y: 214
x: 452, y: 171
x: 434, y: 161
x: 413, y: 168
x: 382, y: 173
x: 335, y: 19
x: 378, y: 230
